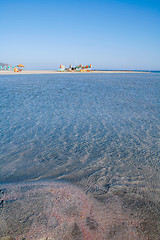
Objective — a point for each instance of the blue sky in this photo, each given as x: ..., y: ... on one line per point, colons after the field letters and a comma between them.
x: 108, y: 34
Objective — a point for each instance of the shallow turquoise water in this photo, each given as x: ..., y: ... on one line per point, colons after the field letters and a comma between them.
x: 98, y: 131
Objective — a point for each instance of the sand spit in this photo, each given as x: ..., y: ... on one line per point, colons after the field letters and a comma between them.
x: 55, y: 71
x: 62, y: 211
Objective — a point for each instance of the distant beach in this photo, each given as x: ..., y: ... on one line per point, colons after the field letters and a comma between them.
x: 55, y: 71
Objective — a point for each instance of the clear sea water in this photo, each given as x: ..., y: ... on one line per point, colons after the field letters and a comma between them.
x: 99, y: 132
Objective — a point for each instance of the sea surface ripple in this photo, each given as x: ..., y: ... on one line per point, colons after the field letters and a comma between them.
x: 99, y: 132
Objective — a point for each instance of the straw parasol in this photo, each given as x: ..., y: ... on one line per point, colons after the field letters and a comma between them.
x: 20, y: 65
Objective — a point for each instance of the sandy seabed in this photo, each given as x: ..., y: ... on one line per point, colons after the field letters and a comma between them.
x: 56, y: 211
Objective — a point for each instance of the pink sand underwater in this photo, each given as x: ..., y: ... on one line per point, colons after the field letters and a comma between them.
x: 59, y: 211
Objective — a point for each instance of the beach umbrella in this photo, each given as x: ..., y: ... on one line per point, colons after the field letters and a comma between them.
x: 20, y: 65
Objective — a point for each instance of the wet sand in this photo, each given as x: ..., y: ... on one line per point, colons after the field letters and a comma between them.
x: 55, y: 71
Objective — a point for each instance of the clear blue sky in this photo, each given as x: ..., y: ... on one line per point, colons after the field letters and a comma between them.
x: 118, y: 34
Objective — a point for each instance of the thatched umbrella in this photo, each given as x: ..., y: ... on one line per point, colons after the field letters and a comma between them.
x: 20, y: 66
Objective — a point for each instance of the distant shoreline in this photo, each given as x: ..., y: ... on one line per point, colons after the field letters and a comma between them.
x: 23, y: 72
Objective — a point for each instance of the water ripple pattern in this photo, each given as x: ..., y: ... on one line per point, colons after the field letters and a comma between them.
x: 98, y: 131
